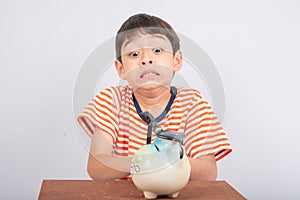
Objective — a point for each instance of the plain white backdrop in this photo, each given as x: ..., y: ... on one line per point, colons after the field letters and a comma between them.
x: 255, y: 46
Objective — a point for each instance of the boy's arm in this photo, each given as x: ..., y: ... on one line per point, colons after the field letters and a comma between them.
x: 101, y: 163
x: 203, y: 168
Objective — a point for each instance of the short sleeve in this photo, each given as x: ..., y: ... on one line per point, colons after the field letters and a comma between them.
x: 101, y: 112
x: 204, y: 132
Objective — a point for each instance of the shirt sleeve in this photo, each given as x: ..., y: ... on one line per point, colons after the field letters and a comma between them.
x: 204, y: 132
x: 101, y: 112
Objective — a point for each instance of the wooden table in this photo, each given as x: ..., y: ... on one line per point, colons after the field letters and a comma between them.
x: 116, y: 190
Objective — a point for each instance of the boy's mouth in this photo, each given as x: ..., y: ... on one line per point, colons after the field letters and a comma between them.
x: 149, y: 74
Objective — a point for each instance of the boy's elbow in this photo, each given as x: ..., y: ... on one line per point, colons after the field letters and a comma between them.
x: 91, y: 172
x: 204, y: 168
x: 208, y: 175
x: 94, y: 169
x: 99, y: 171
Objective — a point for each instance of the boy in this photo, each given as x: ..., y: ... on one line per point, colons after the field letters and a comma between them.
x: 147, y: 56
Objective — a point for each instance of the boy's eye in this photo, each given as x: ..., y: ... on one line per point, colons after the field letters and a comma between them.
x: 134, y: 54
x: 157, y: 50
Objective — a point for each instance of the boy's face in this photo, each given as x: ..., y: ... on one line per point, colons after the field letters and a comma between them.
x: 148, y: 61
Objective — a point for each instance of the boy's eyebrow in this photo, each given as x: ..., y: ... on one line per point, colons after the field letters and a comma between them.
x: 154, y: 36
x: 127, y: 42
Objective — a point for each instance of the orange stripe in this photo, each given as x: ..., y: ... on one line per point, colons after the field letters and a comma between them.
x: 212, y: 136
x: 206, y: 131
x: 103, y: 105
x: 132, y: 115
x: 101, y: 99
x: 182, y: 98
x: 137, y: 143
x: 133, y: 129
x: 208, y: 143
x: 194, y: 127
x: 135, y: 148
x: 121, y: 146
x: 171, y: 117
x: 177, y: 107
x: 103, y: 113
x: 122, y: 136
x: 197, y: 118
x: 208, y: 149
x: 173, y: 123
x: 92, y: 117
x: 222, y: 155
x: 197, y: 110
x: 107, y: 112
x: 123, y: 130
x: 187, y: 146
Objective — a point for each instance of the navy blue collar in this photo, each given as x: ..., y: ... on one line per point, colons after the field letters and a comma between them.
x: 173, y: 91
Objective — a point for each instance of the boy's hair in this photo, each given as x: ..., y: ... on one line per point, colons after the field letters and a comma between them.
x: 145, y: 24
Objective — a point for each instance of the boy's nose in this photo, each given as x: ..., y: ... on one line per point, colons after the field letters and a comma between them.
x: 147, y: 62
x: 146, y: 58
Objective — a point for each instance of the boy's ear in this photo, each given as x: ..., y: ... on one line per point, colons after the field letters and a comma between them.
x: 120, y: 69
x: 177, y: 60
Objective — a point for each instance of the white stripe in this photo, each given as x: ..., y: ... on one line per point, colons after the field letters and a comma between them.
x: 109, y: 116
x: 212, y: 151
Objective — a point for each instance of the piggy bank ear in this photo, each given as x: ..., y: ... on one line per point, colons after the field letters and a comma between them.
x: 171, y: 135
x: 174, y: 136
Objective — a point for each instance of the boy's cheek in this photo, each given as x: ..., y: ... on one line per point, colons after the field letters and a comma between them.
x: 129, y: 64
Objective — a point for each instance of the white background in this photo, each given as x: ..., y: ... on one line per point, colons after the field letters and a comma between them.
x: 255, y: 46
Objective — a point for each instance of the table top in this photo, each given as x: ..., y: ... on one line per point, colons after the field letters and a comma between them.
x: 110, y: 189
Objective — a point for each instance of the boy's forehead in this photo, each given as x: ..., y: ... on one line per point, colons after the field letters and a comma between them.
x: 145, y: 40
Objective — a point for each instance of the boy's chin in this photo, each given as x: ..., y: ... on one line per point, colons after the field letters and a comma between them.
x: 152, y: 86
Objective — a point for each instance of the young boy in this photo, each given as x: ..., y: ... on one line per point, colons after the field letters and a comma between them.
x: 147, y: 56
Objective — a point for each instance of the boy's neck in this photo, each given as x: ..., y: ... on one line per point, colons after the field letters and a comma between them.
x: 153, y: 100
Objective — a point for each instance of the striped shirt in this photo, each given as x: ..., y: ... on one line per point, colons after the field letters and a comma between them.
x: 113, y: 111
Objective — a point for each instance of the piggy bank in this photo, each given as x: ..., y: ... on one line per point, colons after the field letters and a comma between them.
x: 161, y: 167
